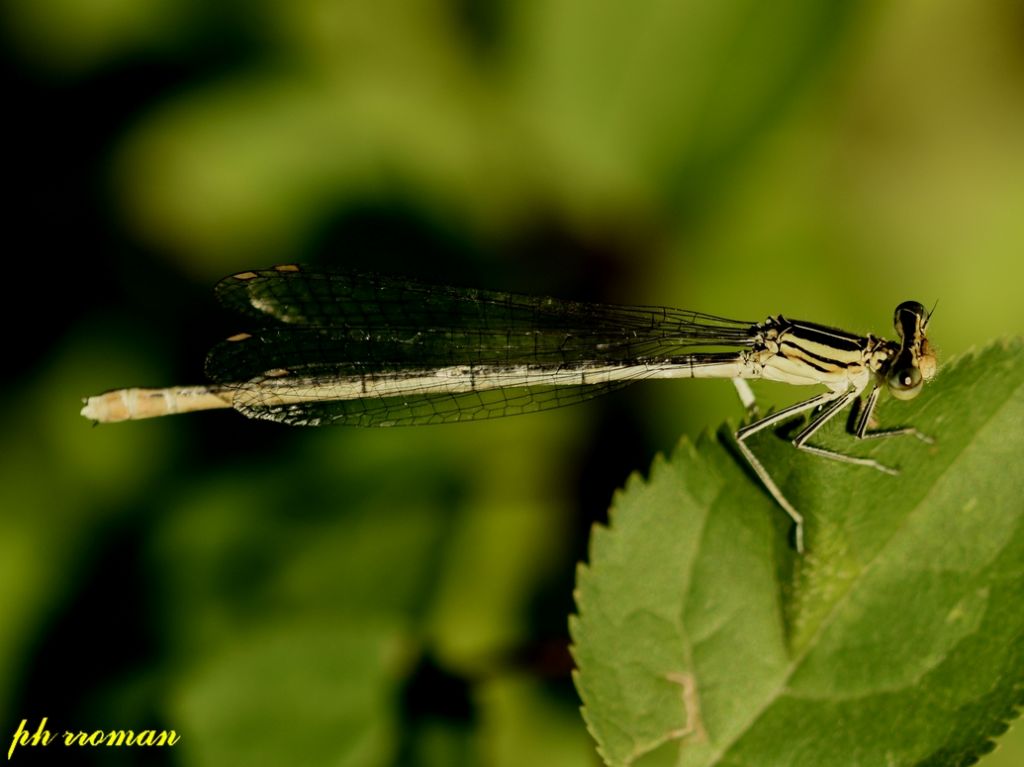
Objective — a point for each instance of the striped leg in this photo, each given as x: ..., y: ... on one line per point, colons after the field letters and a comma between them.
x: 743, y: 434
x: 860, y: 431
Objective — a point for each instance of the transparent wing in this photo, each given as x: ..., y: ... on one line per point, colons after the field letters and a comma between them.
x: 295, y: 296
x: 258, y: 402
x: 322, y: 376
x: 307, y: 352
x: 335, y: 332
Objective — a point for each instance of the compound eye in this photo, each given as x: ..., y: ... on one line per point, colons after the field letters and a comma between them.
x: 907, y: 315
x: 904, y: 382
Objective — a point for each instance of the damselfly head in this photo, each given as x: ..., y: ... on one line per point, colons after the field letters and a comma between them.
x: 915, y: 362
x: 909, y: 319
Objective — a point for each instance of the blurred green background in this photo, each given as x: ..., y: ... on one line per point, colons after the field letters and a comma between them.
x: 399, y: 597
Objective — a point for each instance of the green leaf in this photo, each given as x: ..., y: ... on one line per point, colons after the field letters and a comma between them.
x: 897, y: 639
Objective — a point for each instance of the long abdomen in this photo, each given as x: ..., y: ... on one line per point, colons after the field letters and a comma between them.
x: 133, y: 404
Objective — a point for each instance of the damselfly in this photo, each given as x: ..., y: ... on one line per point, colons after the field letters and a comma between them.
x: 363, y: 350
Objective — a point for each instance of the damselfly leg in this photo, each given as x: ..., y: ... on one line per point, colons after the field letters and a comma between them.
x: 829, y: 404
